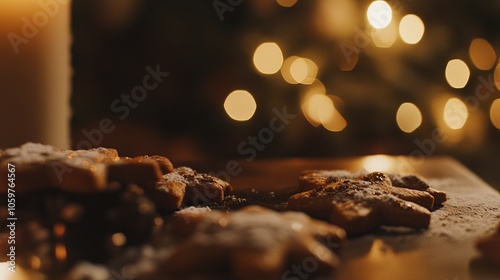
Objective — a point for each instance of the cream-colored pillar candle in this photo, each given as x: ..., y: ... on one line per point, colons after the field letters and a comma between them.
x: 35, y: 72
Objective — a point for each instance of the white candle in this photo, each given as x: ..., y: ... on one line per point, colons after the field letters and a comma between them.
x: 35, y: 72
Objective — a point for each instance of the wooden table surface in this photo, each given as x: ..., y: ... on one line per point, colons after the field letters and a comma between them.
x: 445, y: 251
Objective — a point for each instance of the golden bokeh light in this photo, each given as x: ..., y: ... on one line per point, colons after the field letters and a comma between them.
x: 285, y: 69
x: 240, y: 105
x: 332, y: 120
x: 408, y: 117
x: 313, y: 105
x: 317, y: 87
x: 319, y: 109
x: 286, y: 3
x: 495, y: 113
x: 482, y: 54
x: 118, y: 239
x: 384, y: 38
x: 60, y: 252
x: 455, y: 113
x: 457, y: 73
x: 59, y: 230
x: 411, y: 29
x: 268, y: 58
x: 299, y: 70
x: 496, y: 76
x: 379, y: 14
x: 303, y: 70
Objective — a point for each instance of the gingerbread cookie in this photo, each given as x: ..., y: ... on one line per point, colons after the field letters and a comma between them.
x: 489, y: 246
x: 363, y: 204
x: 252, y: 243
x: 184, y: 186
x: 41, y: 166
x: 408, y: 187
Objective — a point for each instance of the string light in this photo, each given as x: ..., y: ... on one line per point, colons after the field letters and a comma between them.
x: 457, y: 73
x: 495, y: 113
x: 482, y: 54
x: 240, y: 105
x: 408, y: 117
x: 411, y: 29
x: 268, y: 58
x: 455, y: 113
x: 379, y: 14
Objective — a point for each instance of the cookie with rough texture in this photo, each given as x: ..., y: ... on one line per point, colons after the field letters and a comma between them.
x: 363, y: 204
x: 489, y: 246
x: 39, y: 166
x: 184, y: 186
x: 408, y: 187
x: 252, y: 243
x: 416, y: 182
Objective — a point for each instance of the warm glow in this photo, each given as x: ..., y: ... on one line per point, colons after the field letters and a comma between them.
x: 299, y: 70
x: 379, y: 14
x: 314, y: 105
x: 118, y: 239
x: 377, y: 163
x: 60, y: 252
x: 455, y: 113
x: 59, y: 230
x: 495, y: 113
x: 408, y: 117
x: 384, y: 38
x: 497, y: 76
x: 240, y: 105
x: 285, y: 69
x: 286, y: 3
x: 332, y: 120
x: 411, y: 29
x: 482, y: 54
x: 335, y: 18
x: 319, y: 108
x: 303, y: 70
x: 268, y: 58
x: 457, y: 73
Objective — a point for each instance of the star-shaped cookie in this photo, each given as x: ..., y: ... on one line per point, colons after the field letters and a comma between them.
x: 362, y: 204
x: 408, y: 187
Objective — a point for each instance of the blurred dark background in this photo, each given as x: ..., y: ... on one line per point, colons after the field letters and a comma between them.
x: 347, y: 108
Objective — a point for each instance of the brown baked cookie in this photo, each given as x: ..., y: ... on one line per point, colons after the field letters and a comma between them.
x: 489, y: 246
x: 416, y: 182
x: 362, y: 205
x: 184, y: 186
x: 40, y: 166
x: 409, y: 187
x: 251, y: 243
